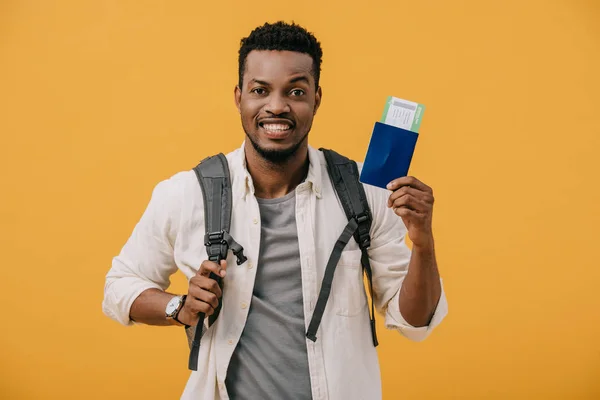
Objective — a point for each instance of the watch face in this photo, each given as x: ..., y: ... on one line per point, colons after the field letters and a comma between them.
x: 172, y: 306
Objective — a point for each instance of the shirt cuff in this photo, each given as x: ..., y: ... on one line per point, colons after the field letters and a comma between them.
x: 119, y: 296
x: 395, y: 320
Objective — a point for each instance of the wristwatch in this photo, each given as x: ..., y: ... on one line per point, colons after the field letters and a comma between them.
x: 173, y: 307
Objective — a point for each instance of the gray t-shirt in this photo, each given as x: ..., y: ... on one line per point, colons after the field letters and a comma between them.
x: 270, y: 360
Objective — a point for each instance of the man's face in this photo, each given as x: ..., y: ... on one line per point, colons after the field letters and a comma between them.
x: 277, y: 102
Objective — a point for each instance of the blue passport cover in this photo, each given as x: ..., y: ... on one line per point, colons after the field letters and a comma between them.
x: 389, y: 154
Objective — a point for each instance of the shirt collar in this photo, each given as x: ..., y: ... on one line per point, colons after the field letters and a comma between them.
x: 242, y: 182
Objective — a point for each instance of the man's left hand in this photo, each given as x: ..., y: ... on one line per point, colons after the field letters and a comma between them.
x: 412, y: 200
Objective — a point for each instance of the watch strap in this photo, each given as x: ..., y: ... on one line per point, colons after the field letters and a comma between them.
x: 183, y: 298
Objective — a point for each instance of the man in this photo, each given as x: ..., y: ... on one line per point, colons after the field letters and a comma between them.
x: 287, y: 217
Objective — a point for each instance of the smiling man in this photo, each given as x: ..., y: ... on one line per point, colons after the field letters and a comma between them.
x: 288, y: 218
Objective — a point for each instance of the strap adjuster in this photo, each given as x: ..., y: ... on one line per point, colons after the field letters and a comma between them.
x: 362, y: 233
x: 214, y: 238
x: 362, y: 217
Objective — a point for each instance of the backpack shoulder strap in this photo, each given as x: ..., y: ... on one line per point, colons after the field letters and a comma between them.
x: 213, y: 176
x: 344, y: 176
x: 215, y: 182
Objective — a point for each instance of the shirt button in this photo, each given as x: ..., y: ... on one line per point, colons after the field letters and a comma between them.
x: 244, y: 304
x: 230, y: 341
x: 255, y: 221
x: 250, y: 265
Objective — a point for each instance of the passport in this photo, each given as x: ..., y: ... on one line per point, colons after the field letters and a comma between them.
x: 392, y: 143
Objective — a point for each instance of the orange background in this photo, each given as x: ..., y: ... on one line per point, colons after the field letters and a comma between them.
x: 100, y: 100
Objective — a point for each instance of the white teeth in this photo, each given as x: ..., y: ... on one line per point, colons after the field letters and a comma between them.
x: 276, y: 127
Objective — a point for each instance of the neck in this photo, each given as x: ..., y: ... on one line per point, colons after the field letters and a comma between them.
x: 273, y: 180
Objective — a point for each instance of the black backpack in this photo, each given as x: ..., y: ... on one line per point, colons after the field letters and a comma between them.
x: 214, y: 178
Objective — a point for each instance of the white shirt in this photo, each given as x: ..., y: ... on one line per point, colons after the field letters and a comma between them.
x: 343, y: 362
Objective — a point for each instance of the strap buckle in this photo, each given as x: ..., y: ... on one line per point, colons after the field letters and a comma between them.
x: 218, y: 243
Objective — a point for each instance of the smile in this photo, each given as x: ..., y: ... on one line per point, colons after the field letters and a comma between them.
x: 276, y: 128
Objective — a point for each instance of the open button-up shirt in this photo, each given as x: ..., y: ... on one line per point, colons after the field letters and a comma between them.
x: 343, y: 362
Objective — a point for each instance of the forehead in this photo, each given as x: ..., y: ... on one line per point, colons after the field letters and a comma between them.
x: 273, y: 65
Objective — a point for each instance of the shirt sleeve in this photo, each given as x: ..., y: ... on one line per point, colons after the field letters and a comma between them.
x: 146, y: 260
x: 390, y: 257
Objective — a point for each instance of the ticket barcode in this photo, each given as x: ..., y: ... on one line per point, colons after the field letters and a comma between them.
x: 402, y: 104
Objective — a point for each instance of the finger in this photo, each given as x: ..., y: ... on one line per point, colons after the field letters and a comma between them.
x: 408, y: 181
x: 205, y: 283
x: 410, y: 202
x: 404, y: 190
x: 198, y: 306
x: 406, y: 213
x: 208, y: 266
x: 204, y: 295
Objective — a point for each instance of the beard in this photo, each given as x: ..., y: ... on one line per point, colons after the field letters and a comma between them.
x: 275, y: 156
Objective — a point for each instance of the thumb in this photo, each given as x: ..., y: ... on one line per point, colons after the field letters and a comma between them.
x: 223, y: 265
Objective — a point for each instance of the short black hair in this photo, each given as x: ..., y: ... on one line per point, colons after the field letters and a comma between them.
x: 281, y: 36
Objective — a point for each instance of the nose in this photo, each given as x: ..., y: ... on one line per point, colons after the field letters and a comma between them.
x: 277, y: 104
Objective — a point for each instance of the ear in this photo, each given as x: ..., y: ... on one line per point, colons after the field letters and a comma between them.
x: 318, y: 96
x: 237, y: 95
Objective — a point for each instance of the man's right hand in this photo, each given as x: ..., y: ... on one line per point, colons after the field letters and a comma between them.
x: 203, y: 293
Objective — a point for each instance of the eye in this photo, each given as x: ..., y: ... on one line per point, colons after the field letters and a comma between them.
x: 259, y: 91
x: 297, y: 92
